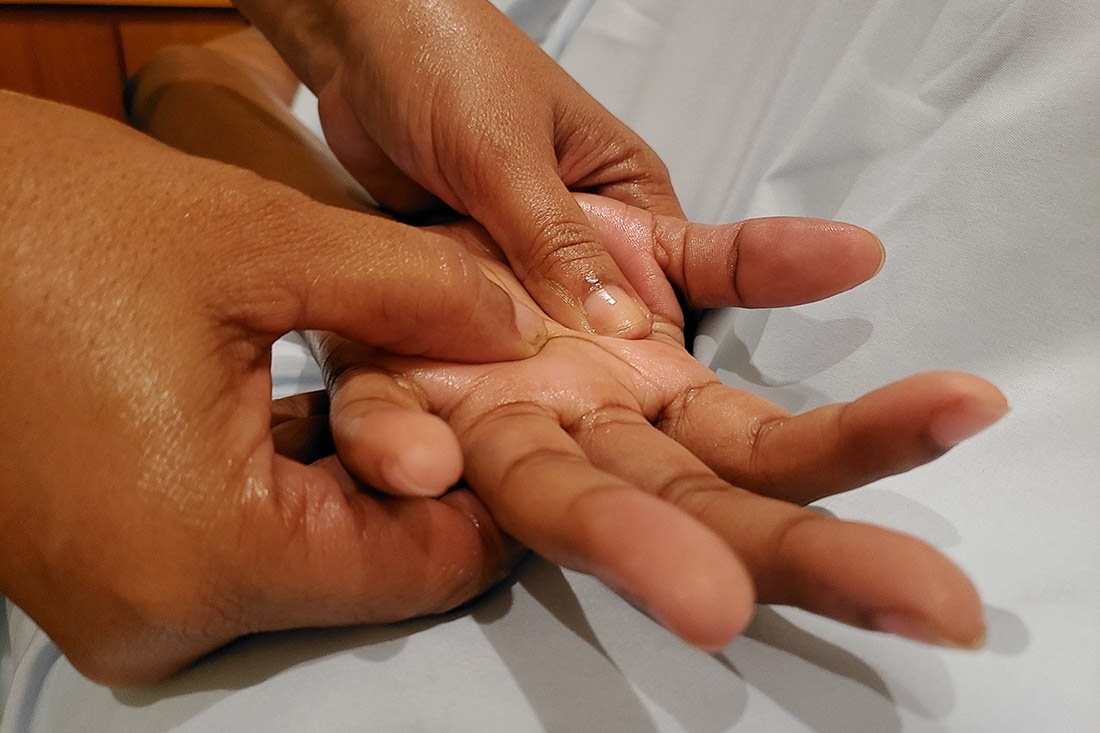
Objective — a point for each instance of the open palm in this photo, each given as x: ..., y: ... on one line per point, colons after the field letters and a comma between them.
x: 631, y: 461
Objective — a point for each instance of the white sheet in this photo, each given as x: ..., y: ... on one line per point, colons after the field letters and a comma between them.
x: 967, y: 134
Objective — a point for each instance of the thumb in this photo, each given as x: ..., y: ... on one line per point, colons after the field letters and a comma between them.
x: 557, y: 255
x: 376, y: 281
x: 356, y: 557
x: 758, y: 263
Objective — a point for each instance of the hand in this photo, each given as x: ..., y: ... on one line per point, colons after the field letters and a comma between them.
x: 145, y: 517
x: 631, y: 461
x: 450, y: 98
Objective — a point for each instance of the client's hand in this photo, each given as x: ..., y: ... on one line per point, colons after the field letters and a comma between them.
x: 631, y: 461
x: 145, y: 517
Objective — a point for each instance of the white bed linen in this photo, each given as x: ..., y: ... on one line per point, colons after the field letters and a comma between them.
x: 967, y: 134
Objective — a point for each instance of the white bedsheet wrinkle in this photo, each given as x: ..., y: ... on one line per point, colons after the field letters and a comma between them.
x: 30, y: 683
x: 982, y: 179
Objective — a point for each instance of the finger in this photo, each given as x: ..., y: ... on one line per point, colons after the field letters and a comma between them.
x: 802, y: 458
x: 768, y: 263
x: 325, y: 553
x: 556, y: 254
x: 544, y: 492
x: 759, y: 263
x: 365, y: 160
x: 298, y: 264
x: 410, y: 291
x: 858, y: 574
x: 382, y: 432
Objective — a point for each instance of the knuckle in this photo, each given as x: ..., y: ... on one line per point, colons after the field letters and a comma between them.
x: 602, y: 420
x: 257, y: 226
x: 760, y: 432
x: 535, y: 461
x: 562, y: 250
x: 781, y: 544
x: 675, y: 418
x: 452, y: 279
x: 486, y: 420
x: 694, y: 490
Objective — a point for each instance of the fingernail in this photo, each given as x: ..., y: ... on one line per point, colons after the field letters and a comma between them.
x: 612, y: 312
x: 953, y: 427
x: 920, y: 630
x: 531, y: 326
x: 882, y: 256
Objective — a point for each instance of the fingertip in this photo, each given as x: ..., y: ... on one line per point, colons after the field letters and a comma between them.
x: 562, y: 261
x: 881, y: 256
x: 610, y: 311
x: 629, y: 235
x: 702, y: 612
x: 956, y: 622
x: 968, y: 405
x: 965, y: 419
x: 714, y: 635
x: 500, y: 328
x: 672, y: 567
x: 531, y: 327
x: 787, y: 261
x: 407, y: 474
x: 885, y: 581
x: 399, y: 451
x: 915, y: 628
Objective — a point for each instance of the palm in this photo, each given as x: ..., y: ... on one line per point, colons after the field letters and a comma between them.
x: 578, y: 379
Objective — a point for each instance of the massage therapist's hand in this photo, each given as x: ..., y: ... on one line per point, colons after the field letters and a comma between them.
x: 450, y: 97
x: 629, y: 460
x: 145, y: 517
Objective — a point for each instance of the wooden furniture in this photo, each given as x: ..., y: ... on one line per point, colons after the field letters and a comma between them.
x: 82, y: 53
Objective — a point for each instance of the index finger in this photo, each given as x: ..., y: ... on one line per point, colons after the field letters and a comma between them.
x: 304, y: 265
